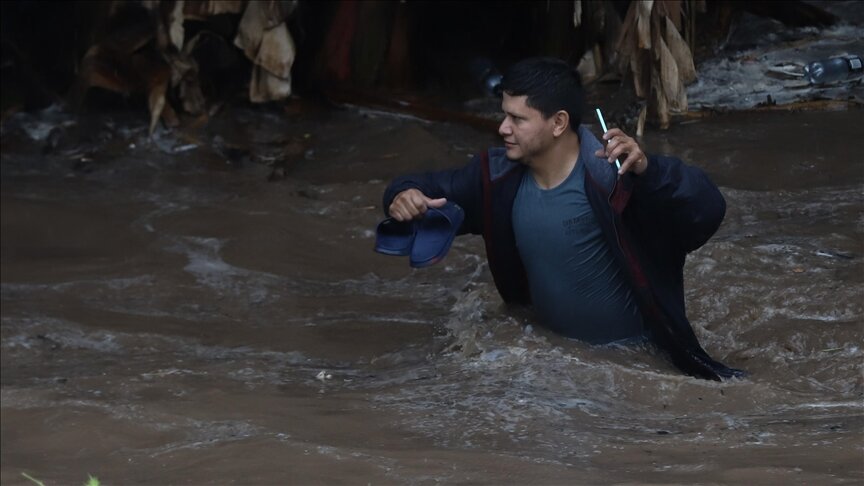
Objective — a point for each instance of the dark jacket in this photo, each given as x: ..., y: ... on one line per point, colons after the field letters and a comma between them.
x: 651, y: 221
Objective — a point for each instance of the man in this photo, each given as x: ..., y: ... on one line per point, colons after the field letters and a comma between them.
x: 598, y: 252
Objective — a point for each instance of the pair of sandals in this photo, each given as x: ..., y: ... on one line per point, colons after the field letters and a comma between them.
x: 425, y: 240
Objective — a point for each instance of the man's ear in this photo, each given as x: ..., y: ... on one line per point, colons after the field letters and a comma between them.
x: 560, y: 123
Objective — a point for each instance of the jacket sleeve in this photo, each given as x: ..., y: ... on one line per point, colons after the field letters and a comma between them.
x: 463, y: 186
x: 681, y: 200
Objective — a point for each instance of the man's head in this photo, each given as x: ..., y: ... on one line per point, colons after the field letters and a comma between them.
x: 542, y: 103
x: 550, y: 85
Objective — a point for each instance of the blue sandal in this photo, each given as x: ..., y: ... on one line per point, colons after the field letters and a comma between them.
x: 395, y: 237
x: 435, y: 233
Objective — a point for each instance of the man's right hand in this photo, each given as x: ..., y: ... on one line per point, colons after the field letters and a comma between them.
x: 411, y: 203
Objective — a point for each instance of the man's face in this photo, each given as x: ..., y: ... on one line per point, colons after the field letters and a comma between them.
x: 526, y: 134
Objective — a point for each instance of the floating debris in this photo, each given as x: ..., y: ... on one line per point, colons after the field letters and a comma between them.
x: 834, y: 254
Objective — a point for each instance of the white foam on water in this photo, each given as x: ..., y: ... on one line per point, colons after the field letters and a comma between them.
x: 120, y: 283
x: 39, y: 125
x: 36, y: 332
x: 210, y: 270
x: 854, y: 405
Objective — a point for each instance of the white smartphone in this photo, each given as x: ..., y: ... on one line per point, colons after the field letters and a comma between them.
x: 603, y: 125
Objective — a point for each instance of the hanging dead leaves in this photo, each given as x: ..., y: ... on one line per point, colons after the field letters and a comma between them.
x: 145, y: 51
x: 652, y: 49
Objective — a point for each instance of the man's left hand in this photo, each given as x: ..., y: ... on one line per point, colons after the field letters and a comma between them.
x: 619, y: 145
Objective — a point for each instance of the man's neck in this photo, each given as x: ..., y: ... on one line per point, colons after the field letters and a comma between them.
x: 554, y: 166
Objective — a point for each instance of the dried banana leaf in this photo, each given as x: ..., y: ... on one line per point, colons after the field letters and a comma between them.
x: 267, y: 87
x: 200, y: 10
x: 681, y: 52
x: 671, y: 9
x: 658, y: 100
x: 670, y: 80
x: 277, y: 51
x: 643, y: 23
x: 577, y: 13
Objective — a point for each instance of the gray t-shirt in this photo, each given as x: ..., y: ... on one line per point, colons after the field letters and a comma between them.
x: 576, y: 285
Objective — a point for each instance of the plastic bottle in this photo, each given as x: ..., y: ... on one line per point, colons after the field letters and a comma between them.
x: 834, y: 69
x: 486, y: 76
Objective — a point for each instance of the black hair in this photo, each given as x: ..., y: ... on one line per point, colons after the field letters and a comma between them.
x: 550, y: 84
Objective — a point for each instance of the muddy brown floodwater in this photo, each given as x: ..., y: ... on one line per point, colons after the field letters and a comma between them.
x: 169, y: 318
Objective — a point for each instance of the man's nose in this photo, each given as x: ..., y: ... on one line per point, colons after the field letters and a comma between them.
x: 504, y: 128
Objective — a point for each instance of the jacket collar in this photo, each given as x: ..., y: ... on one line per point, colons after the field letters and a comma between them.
x: 499, y: 164
x: 601, y: 170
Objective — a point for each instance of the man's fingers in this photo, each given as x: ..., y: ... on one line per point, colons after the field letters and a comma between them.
x: 616, y: 153
x: 404, y: 212
x: 632, y: 157
x: 612, y: 133
x: 397, y: 213
x: 616, y: 145
x: 619, y: 145
x: 436, y: 203
x: 634, y: 162
x: 412, y: 204
x: 625, y: 165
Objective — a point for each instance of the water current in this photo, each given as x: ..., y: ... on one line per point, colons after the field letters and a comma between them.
x: 169, y: 317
